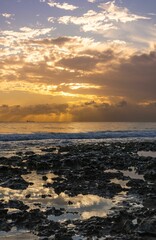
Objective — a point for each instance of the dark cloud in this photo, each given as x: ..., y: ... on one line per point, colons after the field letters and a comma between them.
x: 84, y: 63
x: 89, y: 111
x: 122, y: 103
x: 136, y: 77
x: 18, y: 113
x: 101, y: 56
x: 133, y: 78
x: 107, y: 112
x: 88, y: 60
x: 42, y: 73
x: 62, y: 40
x: 90, y: 103
x: 152, y: 104
x: 50, y: 41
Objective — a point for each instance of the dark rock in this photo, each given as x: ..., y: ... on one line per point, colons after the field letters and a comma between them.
x: 15, y: 183
x: 3, y: 212
x: 150, y: 174
x: 29, y: 153
x: 16, y: 204
x: 5, y: 226
x: 148, y: 227
x: 44, y: 178
x: 28, y: 196
x: 54, y: 211
x: 49, y: 149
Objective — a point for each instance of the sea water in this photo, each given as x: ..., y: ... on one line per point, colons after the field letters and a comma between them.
x: 75, y: 130
x: 33, y: 136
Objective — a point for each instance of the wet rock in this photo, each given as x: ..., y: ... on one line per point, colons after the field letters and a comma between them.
x: 3, y: 160
x: 150, y: 174
x: 54, y: 211
x: 43, y: 196
x: 49, y: 228
x: 5, y: 226
x: 123, y: 223
x: 28, y: 196
x: 3, y: 212
x: 148, y: 227
x: 17, y: 204
x: 137, y: 186
x: 15, y: 183
x: 44, y: 178
x: 19, y: 153
x: 65, y: 236
x: 41, y: 163
x: 11, y: 177
x: 29, y: 153
x: 150, y: 202
x: 52, y: 149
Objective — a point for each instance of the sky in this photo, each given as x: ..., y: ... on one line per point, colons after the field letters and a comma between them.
x: 77, y: 60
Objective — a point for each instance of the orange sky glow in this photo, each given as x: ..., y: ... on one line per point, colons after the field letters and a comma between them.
x: 77, y: 61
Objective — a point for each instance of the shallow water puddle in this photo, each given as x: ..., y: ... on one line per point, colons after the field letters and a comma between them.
x: 72, y: 208
x: 147, y: 154
x: 127, y: 173
x: 132, y: 174
x: 82, y: 207
x: 35, y: 191
x: 38, y: 196
x: 78, y: 237
x: 17, y: 235
x: 122, y: 183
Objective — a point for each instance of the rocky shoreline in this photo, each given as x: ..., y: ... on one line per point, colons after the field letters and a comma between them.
x: 84, y: 191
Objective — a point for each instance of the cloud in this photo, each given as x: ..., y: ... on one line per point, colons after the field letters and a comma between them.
x: 76, y: 86
x: 24, y: 113
x: 104, y: 20
x: 60, y: 41
x: 91, y: 1
x: 84, y: 63
x: 51, y: 19
x: 88, y: 60
x: 64, y: 5
x: 122, y: 103
x: 110, y: 112
x: 7, y: 15
x: 133, y: 78
x: 25, y: 33
x: 75, y: 68
x: 119, y: 14
x: 90, y: 21
x: 89, y: 111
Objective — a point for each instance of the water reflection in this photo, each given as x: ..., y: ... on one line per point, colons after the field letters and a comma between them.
x: 131, y: 172
x: 77, y: 207
x: 35, y: 191
x: 85, y: 206
x: 147, y: 154
x: 15, y: 234
x: 122, y: 183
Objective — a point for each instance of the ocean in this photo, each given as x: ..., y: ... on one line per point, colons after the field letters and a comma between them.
x: 32, y: 136
x: 76, y: 130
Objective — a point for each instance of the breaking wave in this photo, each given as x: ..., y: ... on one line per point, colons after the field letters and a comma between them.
x: 83, y: 135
